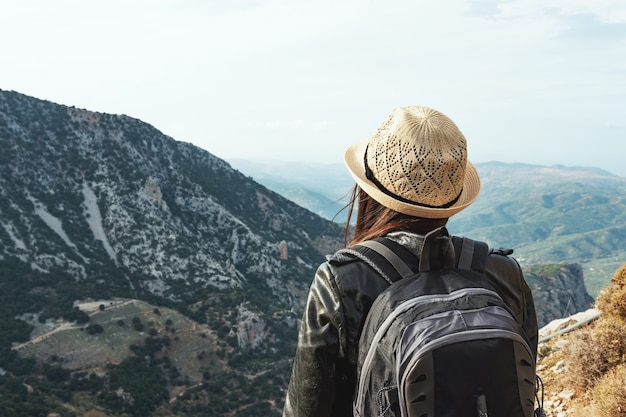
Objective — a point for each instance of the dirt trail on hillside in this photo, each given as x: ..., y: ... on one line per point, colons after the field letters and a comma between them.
x: 91, y: 308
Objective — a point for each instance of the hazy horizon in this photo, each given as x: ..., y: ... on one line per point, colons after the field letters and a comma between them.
x: 236, y: 161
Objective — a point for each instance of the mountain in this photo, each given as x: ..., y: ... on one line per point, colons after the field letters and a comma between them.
x: 98, y: 207
x: 140, y: 275
x: 552, y: 214
x: 322, y: 188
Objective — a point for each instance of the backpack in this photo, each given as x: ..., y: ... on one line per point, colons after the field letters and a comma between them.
x: 441, y: 342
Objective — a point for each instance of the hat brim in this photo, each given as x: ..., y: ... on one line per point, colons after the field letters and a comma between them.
x: 355, y: 161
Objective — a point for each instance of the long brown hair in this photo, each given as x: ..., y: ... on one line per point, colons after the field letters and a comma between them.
x: 374, y: 220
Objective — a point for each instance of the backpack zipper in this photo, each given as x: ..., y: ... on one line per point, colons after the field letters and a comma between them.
x: 481, y: 406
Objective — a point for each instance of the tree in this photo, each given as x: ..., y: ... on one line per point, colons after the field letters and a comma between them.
x: 94, y: 329
x: 144, y: 385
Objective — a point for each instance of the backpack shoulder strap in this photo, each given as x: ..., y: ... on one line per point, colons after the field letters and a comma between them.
x: 441, y: 250
x: 466, y: 255
x: 437, y: 251
x: 399, y: 265
x: 389, y: 259
x: 470, y: 254
x: 392, y: 261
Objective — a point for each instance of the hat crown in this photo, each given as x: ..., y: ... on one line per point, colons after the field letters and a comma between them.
x: 419, y: 155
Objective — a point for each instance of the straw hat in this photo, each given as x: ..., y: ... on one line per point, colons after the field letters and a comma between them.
x: 416, y: 164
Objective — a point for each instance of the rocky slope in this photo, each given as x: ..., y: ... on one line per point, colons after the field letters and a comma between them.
x: 95, y: 193
x: 95, y: 206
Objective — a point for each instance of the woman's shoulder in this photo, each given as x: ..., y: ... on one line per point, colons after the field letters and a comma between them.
x: 353, y: 271
x: 504, y: 267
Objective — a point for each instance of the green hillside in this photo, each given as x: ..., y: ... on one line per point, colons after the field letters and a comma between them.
x: 552, y: 215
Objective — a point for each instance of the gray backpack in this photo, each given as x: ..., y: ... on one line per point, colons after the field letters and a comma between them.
x: 441, y: 342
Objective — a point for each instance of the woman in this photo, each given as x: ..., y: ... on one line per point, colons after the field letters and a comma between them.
x: 411, y: 176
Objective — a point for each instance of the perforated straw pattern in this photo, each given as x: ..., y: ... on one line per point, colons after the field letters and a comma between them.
x: 416, y: 163
x: 419, y: 155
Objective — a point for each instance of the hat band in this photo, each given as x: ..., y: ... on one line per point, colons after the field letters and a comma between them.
x: 369, y: 174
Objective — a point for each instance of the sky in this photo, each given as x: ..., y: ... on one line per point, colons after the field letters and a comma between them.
x: 530, y: 81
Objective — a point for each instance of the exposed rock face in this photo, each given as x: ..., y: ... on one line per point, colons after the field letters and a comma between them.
x: 112, y: 205
x: 252, y: 330
x: 558, y: 291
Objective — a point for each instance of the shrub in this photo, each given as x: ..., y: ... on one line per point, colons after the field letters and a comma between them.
x: 610, y: 333
x: 56, y: 373
x: 609, y: 393
x: 137, y: 324
x: 77, y: 316
x: 145, y: 386
x: 611, y: 328
x: 585, y: 360
x: 612, y: 300
x: 94, y: 329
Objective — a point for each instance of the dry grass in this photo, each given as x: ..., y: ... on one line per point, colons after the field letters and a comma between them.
x: 595, y: 357
x: 611, y: 329
x: 585, y: 360
x: 612, y: 299
x: 609, y: 393
x: 610, y: 333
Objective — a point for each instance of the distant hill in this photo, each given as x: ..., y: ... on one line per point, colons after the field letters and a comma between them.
x: 322, y: 188
x: 547, y: 214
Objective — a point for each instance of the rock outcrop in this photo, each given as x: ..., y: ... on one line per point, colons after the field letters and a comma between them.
x: 558, y: 290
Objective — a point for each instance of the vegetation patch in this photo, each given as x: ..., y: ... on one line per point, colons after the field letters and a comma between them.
x: 588, y: 365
